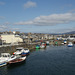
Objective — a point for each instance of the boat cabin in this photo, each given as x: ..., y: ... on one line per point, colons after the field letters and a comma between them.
x: 5, y: 55
x: 26, y: 49
x: 19, y: 48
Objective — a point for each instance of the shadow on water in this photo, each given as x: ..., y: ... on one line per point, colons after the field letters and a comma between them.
x: 16, y: 65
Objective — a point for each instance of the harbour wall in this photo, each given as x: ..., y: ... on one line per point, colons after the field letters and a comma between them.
x: 12, y: 48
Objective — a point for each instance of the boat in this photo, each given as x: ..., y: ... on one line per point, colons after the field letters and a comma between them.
x: 17, y: 61
x: 70, y: 44
x: 56, y: 43
x: 37, y: 47
x: 21, y: 51
x: 42, y: 46
x: 47, y: 42
x: 12, y: 58
x: 26, y: 52
x: 43, y: 43
x: 65, y: 42
x: 4, y: 58
x: 62, y: 43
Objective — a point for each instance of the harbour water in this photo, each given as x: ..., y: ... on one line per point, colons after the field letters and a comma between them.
x: 54, y: 60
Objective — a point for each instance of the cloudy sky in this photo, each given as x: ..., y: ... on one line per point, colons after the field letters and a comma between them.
x: 37, y: 16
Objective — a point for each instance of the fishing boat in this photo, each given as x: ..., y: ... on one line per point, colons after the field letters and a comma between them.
x: 56, y: 43
x: 12, y: 57
x: 26, y: 52
x: 17, y: 61
x: 47, y: 42
x: 37, y: 47
x: 21, y: 51
x: 70, y: 44
x: 42, y: 46
x: 65, y: 42
x: 3, y: 59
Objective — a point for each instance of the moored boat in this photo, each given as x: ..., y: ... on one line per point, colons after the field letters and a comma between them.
x: 42, y: 46
x: 21, y: 51
x: 16, y: 61
x: 12, y: 58
x: 4, y: 58
x: 65, y: 42
x: 43, y: 43
x: 70, y: 44
x: 47, y: 42
x: 37, y: 47
x: 26, y: 52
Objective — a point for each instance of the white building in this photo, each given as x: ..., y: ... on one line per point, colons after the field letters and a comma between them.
x: 11, y: 38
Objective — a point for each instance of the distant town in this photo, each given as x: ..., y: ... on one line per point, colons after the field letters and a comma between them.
x: 18, y: 44
x: 16, y: 37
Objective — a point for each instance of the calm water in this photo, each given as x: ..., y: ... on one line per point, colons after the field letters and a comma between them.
x: 54, y: 60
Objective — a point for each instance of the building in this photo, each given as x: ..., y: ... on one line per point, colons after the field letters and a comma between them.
x: 11, y: 38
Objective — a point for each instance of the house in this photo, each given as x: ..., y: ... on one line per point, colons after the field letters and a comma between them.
x: 11, y: 38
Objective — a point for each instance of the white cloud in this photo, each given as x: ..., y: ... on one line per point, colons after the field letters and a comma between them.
x: 6, y: 23
x: 71, y: 11
x: 2, y: 3
x: 3, y: 27
x: 2, y: 17
x: 29, y: 4
x: 50, y: 19
x: 7, y: 28
x: 64, y: 30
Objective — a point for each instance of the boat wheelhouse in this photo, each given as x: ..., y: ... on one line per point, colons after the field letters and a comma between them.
x: 4, y: 58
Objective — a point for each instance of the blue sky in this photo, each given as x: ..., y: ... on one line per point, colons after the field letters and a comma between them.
x: 37, y: 16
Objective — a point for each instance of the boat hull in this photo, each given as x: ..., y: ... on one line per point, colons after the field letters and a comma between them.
x: 24, y: 54
x: 42, y: 46
x: 17, y: 61
x: 70, y: 45
x: 3, y: 64
x: 37, y: 47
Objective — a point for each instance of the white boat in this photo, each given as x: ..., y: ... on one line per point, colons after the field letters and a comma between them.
x: 70, y: 44
x: 26, y: 50
x: 21, y: 51
x: 12, y: 58
x: 65, y: 42
x: 47, y: 42
x: 42, y: 46
x: 4, y: 58
x: 62, y: 43
x: 16, y: 61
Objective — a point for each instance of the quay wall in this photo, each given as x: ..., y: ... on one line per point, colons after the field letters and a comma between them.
x: 11, y: 49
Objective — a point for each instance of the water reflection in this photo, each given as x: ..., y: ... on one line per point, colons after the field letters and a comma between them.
x: 17, y: 65
x: 37, y: 49
x: 4, y: 70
